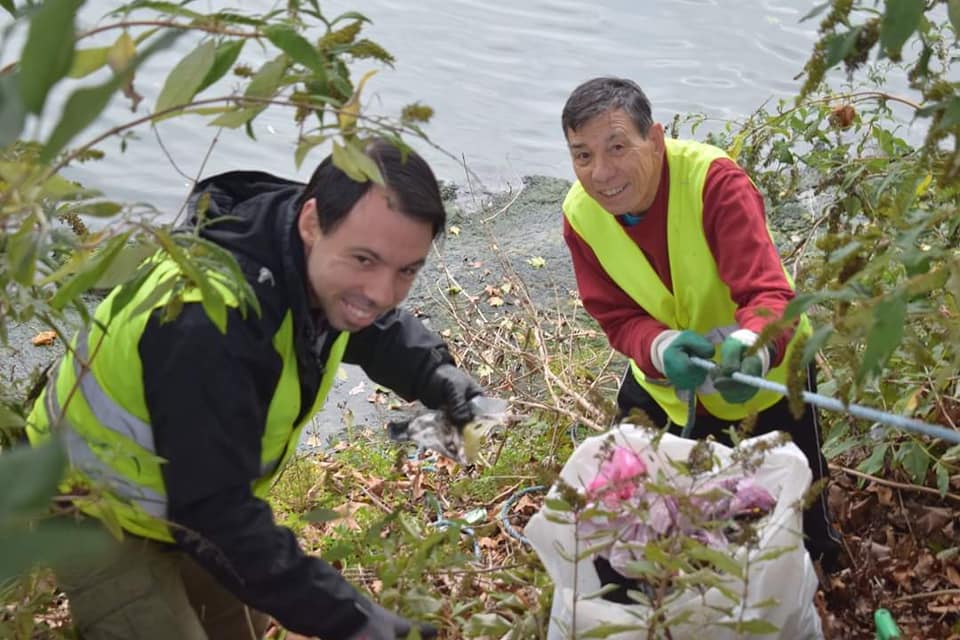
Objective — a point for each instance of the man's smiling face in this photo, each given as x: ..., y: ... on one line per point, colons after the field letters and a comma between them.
x: 365, y: 265
x: 617, y: 165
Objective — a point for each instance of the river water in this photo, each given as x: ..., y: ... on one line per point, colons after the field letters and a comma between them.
x: 497, y: 74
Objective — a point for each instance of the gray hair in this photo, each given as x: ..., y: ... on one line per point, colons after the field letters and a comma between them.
x: 600, y: 95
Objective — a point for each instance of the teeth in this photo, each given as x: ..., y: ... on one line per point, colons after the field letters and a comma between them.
x: 359, y: 314
x: 613, y: 192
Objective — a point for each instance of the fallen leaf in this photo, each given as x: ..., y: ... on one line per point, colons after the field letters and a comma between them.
x: 537, y: 262
x: 44, y: 338
x: 454, y: 230
x: 358, y: 389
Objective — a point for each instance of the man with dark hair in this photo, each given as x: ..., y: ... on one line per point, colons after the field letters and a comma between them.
x: 181, y: 427
x: 673, y: 257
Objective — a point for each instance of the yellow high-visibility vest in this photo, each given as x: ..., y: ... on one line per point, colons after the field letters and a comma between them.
x: 97, y: 407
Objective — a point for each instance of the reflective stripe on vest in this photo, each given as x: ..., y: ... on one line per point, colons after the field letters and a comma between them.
x: 700, y: 300
x: 107, y: 411
x: 82, y: 457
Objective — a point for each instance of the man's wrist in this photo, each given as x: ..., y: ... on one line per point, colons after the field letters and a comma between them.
x: 749, y: 338
x: 659, y: 346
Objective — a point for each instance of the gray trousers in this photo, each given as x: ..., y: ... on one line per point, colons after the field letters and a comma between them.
x: 147, y: 590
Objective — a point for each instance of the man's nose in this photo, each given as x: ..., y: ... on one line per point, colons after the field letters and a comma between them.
x: 382, y: 289
x: 602, y: 170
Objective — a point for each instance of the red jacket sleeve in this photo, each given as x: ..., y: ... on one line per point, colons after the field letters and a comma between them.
x: 734, y: 222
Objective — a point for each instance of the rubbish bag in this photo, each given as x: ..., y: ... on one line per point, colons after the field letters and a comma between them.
x: 780, y: 585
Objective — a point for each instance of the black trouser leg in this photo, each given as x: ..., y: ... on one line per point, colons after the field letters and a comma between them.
x: 821, y: 538
x: 632, y: 396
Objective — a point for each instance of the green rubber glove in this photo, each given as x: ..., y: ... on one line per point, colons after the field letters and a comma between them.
x: 733, y: 359
x: 680, y: 371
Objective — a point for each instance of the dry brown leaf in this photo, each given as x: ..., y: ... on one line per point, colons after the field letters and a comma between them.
x: 44, y: 338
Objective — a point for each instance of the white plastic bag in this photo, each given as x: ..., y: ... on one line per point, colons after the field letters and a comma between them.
x: 784, y: 586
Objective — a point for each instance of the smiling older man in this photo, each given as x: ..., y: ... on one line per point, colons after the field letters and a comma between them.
x: 673, y: 258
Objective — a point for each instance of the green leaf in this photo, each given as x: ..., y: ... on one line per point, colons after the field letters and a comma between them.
x: 486, y: 624
x: 102, y: 209
x: 350, y: 15
x: 721, y: 561
x: 29, y: 477
x: 874, y: 463
x: 263, y: 85
x: 82, y: 108
x: 953, y: 11
x: 85, y: 105
x: 169, y: 8
x: 10, y: 420
x: 343, y: 161
x: 210, y: 298
x: 888, y: 319
x: 322, y: 515
x: 817, y: 10
x: 304, y: 146
x: 364, y: 163
x: 755, y: 627
x: 295, y: 46
x: 91, y: 272
x: 48, y: 52
x: 237, y: 118
x: 951, y: 115
x: 8, y: 5
x: 943, y: 479
x: 12, y: 112
x: 916, y: 461
x: 50, y: 543
x: 124, y: 265
x: 86, y: 61
x: 816, y: 342
x: 226, y: 54
x: 840, y: 45
x: 185, y: 79
x: 900, y: 20
x: 22, y: 249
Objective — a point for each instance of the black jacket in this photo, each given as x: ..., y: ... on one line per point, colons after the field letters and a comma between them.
x: 208, y: 394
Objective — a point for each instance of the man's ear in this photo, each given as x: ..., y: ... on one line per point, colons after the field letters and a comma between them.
x: 308, y: 223
x: 655, y: 134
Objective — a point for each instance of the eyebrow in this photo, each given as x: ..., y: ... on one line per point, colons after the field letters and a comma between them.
x: 376, y: 256
x: 610, y: 138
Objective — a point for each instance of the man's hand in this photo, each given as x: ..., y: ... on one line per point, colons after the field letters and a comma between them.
x: 386, y: 625
x: 733, y: 359
x: 671, y: 351
x: 451, y: 389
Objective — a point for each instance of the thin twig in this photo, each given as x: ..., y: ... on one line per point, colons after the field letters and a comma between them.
x: 893, y: 484
x: 929, y: 594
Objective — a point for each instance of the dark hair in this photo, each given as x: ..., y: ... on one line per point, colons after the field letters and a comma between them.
x: 412, y: 188
x: 600, y: 95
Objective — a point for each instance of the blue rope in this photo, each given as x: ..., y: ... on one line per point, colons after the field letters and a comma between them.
x: 506, y: 508
x: 826, y: 402
x: 443, y: 523
x: 691, y: 415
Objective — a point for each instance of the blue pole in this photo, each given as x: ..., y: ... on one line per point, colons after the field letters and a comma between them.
x: 826, y: 402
